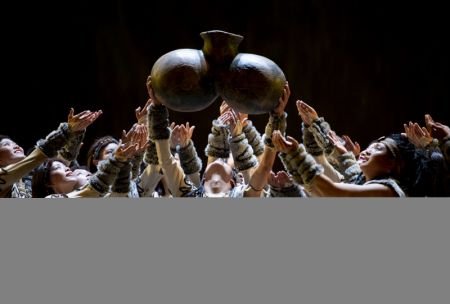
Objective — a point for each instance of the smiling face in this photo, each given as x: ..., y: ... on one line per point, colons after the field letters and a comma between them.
x: 10, y: 152
x: 376, y: 161
x: 217, y: 179
x: 61, y: 178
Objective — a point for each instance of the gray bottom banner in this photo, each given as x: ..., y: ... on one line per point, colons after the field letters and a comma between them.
x: 225, y: 251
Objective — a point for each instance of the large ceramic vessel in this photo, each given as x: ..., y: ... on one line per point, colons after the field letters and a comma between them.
x: 189, y: 80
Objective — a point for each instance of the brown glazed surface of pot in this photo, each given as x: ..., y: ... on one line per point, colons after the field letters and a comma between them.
x: 253, y: 84
x: 189, y: 80
x: 181, y: 81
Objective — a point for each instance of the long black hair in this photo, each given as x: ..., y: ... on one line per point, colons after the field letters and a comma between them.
x: 41, y: 178
x: 418, y: 173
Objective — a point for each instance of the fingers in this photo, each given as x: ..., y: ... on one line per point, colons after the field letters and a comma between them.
x: 71, y: 111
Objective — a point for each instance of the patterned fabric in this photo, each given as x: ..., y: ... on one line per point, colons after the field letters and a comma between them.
x: 293, y: 190
x: 242, y: 153
x: 55, y: 140
x: 218, y: 145
x: 320, y: 129
x: 310, y: 142
x: 189, y: 160
x: 158, y: 122
x: 108, y: 170
x: 348, y: 167
x: 22, y: 188
x: 391, y: 183
x: 275, y: 123
x: 72, y: 148
x: 302, y: 164
x: 254, y: 138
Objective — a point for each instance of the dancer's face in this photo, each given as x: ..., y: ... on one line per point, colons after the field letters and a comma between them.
x: 62, y: 179
x: 217, y: 179
x: 376, y: 160
x: 10, y: 152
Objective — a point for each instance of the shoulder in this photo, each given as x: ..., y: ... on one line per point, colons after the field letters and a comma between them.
x: 389, y: 182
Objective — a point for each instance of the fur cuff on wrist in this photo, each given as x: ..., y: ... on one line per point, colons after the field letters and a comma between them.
x: 293, y: 190
x: 320, y: 129
x: 54, y: 141
x: 106, y: 174
x: 123, y: 180
x: 158, y: 122
x: 288, y: 161
x: 218, y: 145
x: 151, y: 155
x: 190, y: 162
x: 275, y: 123
x: 242, y: 153
x: 254, y: 138
x: 310, y: 142
x: 308, y: 168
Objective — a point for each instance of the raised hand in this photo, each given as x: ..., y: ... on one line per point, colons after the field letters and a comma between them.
x: 436, y: 129
x: 283, y: 144
x: 231, y: 118
x: 280, y: 180
x: 284, y: 98
x: 138, y: 134
x: 337, y: 143
x: 151, y: 93
x: 306, y: 112
x: 185, y: 134
x: 126, y: 151
x: 224, y: 107
x: 419, y: 137
x: 141, y: 114
x: 351, y: 146
x: 81, y: 120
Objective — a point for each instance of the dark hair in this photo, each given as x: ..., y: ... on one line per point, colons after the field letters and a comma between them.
x: 96, y: 148
x: 2, y: 137
x: 417, y: 174
x: 41, y: 179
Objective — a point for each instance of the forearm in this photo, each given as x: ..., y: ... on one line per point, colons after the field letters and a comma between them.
x: 261, y: 174
x: 328, y: 169
x: 149, y: 179
x: 176, y: 178
x: 12, y: 173
x: 323, y: 186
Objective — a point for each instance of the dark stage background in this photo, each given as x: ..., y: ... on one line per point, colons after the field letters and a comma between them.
x: 367, y: 67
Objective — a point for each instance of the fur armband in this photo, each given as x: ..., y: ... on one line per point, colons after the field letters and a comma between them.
x: 348, y: 166
x: 254, y: 138
x: 289, y: 163
x: 55, y: 140
x: 242, y: 153
x: 158, y: 122
x: 320, y: 129
x: 106, y: 174
x: 293, y: 190
x: 218, y: 145
x: 136, y: 163
x: 275, y: 123
x: 189, y: 160
x: 151, y: 156
x: 123, y: 180
x: 310, y: 142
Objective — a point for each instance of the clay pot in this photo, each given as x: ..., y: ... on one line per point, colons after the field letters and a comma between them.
x: 189, y: 80
x: 253, y: 84
x: 181, y: 81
